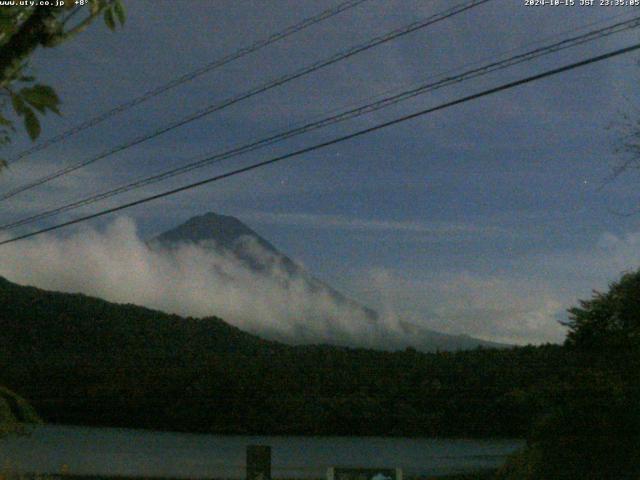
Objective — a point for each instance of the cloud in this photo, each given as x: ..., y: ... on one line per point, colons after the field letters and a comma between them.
x: 499, y: 308
x: 340, y: 222
x: 54, y: 193
x: 117, y: 265
x: 521, y: 303
x: 193, y: 280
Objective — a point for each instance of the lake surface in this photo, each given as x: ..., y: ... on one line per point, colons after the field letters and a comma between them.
x: 80, y: 450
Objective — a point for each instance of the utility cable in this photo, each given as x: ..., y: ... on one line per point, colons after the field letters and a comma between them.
x: 258, y: 90
x: 334, y: 141
x: 123, y: 107
x: 347, y: 115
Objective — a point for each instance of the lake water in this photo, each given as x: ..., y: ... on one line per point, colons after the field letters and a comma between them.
x: 80, y: 450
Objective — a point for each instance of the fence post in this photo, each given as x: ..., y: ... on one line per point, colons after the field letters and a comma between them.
x: 258, y: 462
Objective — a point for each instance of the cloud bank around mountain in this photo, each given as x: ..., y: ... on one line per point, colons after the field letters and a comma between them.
x: 117, y: 265
x: 520, y: 306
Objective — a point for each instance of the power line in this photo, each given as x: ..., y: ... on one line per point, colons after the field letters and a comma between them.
x: 258, y: 90
x: 334, y: 141
x: 287, y: 32
x: 346, y: 115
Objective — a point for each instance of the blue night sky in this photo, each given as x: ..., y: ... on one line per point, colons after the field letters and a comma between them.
x: 488, y: 218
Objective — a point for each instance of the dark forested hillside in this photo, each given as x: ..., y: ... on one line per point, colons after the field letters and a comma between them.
x: 82, y: 360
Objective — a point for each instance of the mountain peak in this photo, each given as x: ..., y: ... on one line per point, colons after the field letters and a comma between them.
x: 213, y: 218
x: 226, y: 231
x: 227, y: 234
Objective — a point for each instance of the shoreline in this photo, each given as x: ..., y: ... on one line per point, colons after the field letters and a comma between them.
x: 479, y: 475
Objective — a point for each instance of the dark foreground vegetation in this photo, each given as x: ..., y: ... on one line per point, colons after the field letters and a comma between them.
x: 15, y: 413
x: 85, y: 361
x: 592, y: 428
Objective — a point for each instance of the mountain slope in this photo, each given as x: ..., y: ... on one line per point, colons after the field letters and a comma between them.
x: 227, y: 234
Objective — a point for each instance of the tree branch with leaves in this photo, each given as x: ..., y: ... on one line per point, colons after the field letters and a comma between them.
x: 23, y: 29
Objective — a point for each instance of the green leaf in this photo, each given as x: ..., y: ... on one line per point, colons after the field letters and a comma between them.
x: 41, y: 97
x: 42, y: 94
x: 18, y: 104
x: 32, y: 124
x: 118, y: 8
x: 109, y: 19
